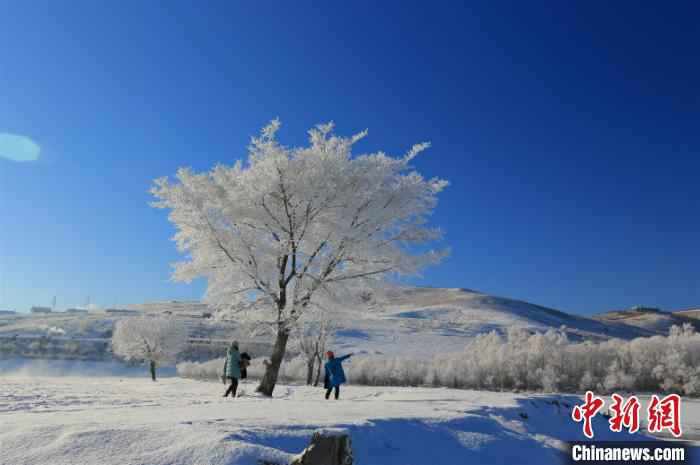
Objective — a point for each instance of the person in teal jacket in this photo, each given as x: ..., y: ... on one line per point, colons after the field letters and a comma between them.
x: 232, y: 368
x: 335, y: 376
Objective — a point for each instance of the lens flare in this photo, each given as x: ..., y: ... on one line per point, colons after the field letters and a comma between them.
x: 15, y: 147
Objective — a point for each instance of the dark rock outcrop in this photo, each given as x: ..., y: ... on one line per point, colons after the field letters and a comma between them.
x: 324, y: 449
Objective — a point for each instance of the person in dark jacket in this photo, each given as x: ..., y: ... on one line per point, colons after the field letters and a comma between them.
x: 245, y: 363
x: 335, y: 376
x: 232, y: 369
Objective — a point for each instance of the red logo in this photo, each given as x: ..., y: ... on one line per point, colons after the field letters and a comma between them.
x: 662, y: 414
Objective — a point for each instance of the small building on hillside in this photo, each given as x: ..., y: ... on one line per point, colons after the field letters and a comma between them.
x: 40, y: 310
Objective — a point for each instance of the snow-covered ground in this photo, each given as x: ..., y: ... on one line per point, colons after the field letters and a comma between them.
x: 121, y: 421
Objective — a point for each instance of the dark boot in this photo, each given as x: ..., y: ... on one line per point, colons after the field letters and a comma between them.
x: 231, y: 389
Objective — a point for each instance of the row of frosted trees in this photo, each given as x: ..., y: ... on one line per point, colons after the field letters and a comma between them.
x: 521, y: 360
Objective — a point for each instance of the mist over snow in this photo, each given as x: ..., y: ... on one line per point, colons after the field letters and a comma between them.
x: 30, y: 367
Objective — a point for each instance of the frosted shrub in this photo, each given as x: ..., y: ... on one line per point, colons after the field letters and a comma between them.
x: 387, y: 371
x: 293, y: 370
x: 211, y: 370
x: 677, y: 368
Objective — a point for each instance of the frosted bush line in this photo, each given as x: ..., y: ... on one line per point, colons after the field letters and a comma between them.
x: 293, y: 370
x: 521, y: 360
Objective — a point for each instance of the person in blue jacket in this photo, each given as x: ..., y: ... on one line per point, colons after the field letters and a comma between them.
x: 232, y: 369
x: 335, y: 376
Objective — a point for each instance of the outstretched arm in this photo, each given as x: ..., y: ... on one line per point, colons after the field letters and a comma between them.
x: 344, y: 357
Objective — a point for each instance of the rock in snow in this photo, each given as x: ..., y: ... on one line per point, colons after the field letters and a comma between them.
x: 326, y: 449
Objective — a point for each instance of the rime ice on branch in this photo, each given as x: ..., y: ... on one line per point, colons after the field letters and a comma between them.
x: 296, y: 227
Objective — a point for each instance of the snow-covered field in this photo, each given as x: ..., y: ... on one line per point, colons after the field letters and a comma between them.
x: 121, y: 421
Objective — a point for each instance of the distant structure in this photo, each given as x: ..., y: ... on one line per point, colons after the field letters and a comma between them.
x: 183, y: 309
x: 7, y: 312
x: 643, y: 308
x: 40, y: 310
x: 76, y: 310
x: 121, y: 311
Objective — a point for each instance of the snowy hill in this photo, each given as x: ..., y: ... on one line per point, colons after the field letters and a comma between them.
x: 423, y: 321
x: 689, y: 313
x: 652, y: 320
x: 415, y: 321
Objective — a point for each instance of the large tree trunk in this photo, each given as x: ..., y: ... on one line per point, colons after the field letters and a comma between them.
x: 153, y: 370
x: 310, y: 370
x: 267, y: 384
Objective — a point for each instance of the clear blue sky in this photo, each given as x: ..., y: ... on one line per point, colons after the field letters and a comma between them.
x: 570, y: 134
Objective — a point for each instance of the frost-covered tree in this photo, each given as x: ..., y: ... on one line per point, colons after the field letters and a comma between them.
x: 296, y: 225
x: 152, y: 340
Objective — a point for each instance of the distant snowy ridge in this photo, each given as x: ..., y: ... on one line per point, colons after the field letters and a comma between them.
x: 651, y: 319
x: 410, y: 321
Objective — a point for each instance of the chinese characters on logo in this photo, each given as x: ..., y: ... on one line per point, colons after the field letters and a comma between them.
x: 662, y: 414
x: 624, y: 414
x: 665, y: 414
x: 587, y: 411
